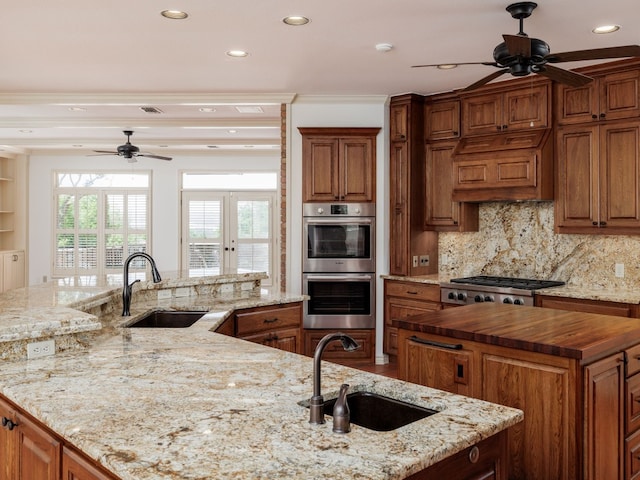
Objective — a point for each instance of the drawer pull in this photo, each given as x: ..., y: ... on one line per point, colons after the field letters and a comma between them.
x: 270, y: 320
x: 8, y: 424
x: 474, y: 455
x: 412, y: 292
x: 450, y: 346
x: 637, y: 399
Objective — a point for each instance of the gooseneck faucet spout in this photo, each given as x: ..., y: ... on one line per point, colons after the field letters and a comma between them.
x: 316, y: 402
x: 128, y: 287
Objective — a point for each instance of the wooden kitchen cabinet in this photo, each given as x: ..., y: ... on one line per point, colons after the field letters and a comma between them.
x: 273, y: 326
x: 487, y: 460
x: 403, y: 299
x: 365, y: 338
x: 441, y: 118
x: 611, y: 96
x: 77, y: 467
x: 442, y: 213
x: 516, y: 106
x: 598, y: 178
x: 12, y: 267
x: 408, y: 241
x: 573, y: 414
x: 338, y: 164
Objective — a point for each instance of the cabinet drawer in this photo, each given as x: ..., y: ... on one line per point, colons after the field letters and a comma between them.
x: 632, y: 457
x: 270, y: 318
x: 632, y: 392
x: 334, y: 350
x: 414, y: 291
x: 633, y: 360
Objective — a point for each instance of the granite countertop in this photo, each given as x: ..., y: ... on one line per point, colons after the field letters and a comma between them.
x: 190, y: 403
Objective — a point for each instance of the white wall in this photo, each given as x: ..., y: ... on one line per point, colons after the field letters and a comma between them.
x: 165, y: 207
x: 318, y: 111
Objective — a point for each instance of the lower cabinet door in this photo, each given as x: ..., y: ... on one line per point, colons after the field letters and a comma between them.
x: 76, y: 467
x: 38, y: 452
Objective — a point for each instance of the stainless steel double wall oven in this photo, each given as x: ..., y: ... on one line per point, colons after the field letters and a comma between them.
x: 339, y: 265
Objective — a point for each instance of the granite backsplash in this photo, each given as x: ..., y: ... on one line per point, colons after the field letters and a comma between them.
x: 517, y: 239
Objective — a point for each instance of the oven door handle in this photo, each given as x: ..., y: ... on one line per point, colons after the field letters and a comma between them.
x: 433, y: 343
x: 339, y: 277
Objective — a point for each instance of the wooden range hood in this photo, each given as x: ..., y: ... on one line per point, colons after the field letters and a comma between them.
x: 511, y: 166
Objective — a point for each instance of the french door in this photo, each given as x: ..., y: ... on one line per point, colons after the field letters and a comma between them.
x: 228, y: 232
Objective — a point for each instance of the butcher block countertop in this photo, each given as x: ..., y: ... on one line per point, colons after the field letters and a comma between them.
x: 583, y: 336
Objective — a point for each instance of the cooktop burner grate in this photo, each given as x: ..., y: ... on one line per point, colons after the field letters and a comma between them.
x: 508, y: 282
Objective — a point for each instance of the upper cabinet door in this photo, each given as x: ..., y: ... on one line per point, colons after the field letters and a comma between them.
x: 442, y: 120
x: 609, y: 97
x: 504, y: 111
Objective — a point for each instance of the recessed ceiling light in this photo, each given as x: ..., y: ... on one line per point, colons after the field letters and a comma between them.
x: 447, y: 66
x: 232, y: 131
x: 237, y: 53
x: 606, y: 29
x: 296, y: 20
x: 174, y: 14
x: 77, y: 146
x: 207, y: 109
x: 384, y: 47
x: 25, y: 131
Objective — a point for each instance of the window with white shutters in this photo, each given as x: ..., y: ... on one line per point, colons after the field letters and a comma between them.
x: 100, y: 220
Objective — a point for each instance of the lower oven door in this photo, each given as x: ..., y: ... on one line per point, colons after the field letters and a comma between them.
x: 339, y: 300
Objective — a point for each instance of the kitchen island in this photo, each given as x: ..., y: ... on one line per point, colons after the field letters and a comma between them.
x: 575, y: 375
x: 185, y: 403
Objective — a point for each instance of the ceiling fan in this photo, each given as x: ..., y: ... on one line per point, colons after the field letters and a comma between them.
x: 521, y: 55
x: 130, y: 151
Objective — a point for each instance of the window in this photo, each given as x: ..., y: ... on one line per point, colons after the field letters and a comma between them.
x: 100, y: 219
x: 229, y: 231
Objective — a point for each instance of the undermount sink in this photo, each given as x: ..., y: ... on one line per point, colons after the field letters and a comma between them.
x: 380, y: 413
x: 167, y: 319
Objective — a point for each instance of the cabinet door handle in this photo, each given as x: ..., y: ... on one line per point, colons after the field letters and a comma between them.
x: 433, y: 343
x: 270, y: 320
x: 602, y: 115
x: 594, y: 116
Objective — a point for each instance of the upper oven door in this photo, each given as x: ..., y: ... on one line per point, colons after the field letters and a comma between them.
x: 339, y: 244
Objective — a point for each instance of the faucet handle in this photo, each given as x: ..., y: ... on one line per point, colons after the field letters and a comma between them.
x: 341, y: 413
x: 131, y: 284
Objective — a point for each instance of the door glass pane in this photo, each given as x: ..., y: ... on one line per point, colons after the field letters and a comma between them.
x: 88, y: 212
x: 205, y: 229
x: 254, y: 232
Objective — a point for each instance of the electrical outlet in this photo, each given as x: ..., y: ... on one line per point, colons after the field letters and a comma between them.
x: 41, y: 349
x: 415, y: 260
x: 620, y: 270
x: 424, y: 260
x: 164, y: 294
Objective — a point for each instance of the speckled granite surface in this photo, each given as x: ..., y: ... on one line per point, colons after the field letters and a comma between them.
x: 189, y: 403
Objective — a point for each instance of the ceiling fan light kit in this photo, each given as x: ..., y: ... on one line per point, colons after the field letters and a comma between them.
x: 521, y: 55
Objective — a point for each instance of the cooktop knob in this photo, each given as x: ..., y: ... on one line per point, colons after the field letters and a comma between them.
x: 451, y: 296
x: 518, y: 301
x: 507, y: 300
x: 479, y: 298
x: 462, y: 296
x: 320, y: 210
x: 488, y: 298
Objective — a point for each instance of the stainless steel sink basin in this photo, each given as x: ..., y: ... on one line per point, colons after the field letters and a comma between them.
x: 380, y: 413
x: 167, y: 319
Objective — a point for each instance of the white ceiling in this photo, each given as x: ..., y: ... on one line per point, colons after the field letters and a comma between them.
x: 111, y: 58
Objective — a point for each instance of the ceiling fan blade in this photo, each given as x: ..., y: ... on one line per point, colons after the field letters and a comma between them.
x: 485, y: 80
x: 491, y: 64
x: 518, y: 45
x: 157, y: 157
x: 567, y: 77
x: 106, y: 152
x: 595, y: 54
